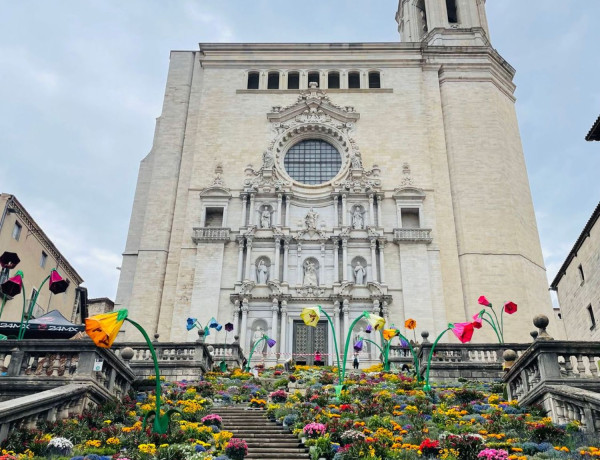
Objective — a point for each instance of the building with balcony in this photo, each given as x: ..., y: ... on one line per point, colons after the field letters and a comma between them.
x: 386, y: 177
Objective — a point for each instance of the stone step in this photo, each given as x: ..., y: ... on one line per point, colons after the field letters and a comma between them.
x: 280, y: 456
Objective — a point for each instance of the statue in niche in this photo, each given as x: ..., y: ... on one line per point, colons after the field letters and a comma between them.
x: 359, y: 273
x: 268, y: 160
x: 265, y: 218
x: 310, y: 274
x: 262, y: 272
x: 358, y: 220
x: 356, y: 161
x: 258, y: 334
x: 311, y: 220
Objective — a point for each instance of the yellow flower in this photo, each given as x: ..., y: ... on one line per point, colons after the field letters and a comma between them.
x: 107, y: 422
x: 93, y: 443
x: 113, y: 441
x: 376, y: 322
x: 147, y: 448
x: 389, y: 334
x: 103, y: 329
x: 310, y: 316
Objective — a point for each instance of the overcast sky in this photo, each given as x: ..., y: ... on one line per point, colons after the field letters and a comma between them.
x: 81, y: 83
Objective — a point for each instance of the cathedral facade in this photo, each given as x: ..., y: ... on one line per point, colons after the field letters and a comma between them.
x: 380, y: 177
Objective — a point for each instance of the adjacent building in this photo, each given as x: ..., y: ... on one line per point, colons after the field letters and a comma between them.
x: 20, y: 234
x: 386, y: 177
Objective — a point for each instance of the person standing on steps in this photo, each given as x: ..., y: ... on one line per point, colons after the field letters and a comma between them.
x: 318, y: 358
x: 355, y: 362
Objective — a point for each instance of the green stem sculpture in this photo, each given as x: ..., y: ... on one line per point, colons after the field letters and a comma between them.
x: 335, y: 344
x: 3, y: 303
x: 427, y: 387
x: 24, y: 324
x: 161, y: 421
x: 264, y: 338
x: 348, y: 339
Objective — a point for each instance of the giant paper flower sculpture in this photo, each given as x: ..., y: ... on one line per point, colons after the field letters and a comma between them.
x: 270, y: 342
x: 463, y: 331
x: 377, y: 322
x: 483, y: 301
x: 477, y: 320
x: 57, y: 284
x: 191, y: 323
x: 12, y: 286
x: 389, y: 334
x: 103, y: 329
x: 358, y: 345
x: 310, y: 316
x: 410, y: 324
x: 510, y: 308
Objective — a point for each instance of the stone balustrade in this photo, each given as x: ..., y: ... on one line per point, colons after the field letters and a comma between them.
x: 412, y: 235
x: 30, y: 366
x: 231, y: 353
x: 202, y: 234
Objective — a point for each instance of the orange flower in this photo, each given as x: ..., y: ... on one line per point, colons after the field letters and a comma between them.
x: 389, y: 334
x: 410, y: 324
x: 103, y: 329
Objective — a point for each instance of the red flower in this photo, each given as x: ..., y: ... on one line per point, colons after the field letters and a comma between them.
x: 463, y: 331
x: 510, y: 307
x: 477, y: 321
x: 483, y: 301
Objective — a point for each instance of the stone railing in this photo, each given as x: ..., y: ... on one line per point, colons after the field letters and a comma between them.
x: 231, y: 353
x: 30, y: 366
x: 210, y: 234
x: 412, y: 235
x: 50, y: 405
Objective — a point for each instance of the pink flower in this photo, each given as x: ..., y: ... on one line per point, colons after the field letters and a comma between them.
x: 463, y: 331
x: 510, y: 307
x: 483, y: 301
x: 477, y: 321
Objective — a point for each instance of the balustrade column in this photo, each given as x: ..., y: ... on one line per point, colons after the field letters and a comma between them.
x: 244, y: 210
x: 240, y: 270
x: 336, y: 261
x: 251, y: 218
x: 371, y: 211
x: 376, y: 337
x: 345, y: 259
x: 277, y: 250
x: 274, y: 312
x: 283, y: 329
x: 287, y: 210
x: 336, y: 216
x: 373, y: 260
x: 381, y: 261
x: 279, y: 198
x: 322, y: 265
x: 286, y: 252
x: 344, y: 216
x: 248, y: 257
x: 336, y: 324
x: 244, y: 325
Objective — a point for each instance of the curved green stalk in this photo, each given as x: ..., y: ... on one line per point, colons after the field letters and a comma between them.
x: 23, y: 328
x: 161, y: 422
x: 374, y: 343
x: 414, y: 355
x: 497, y: 323
x: 502, y: 323
x: 262, y: 339
x: 3, y: 303
x: 427, y: 387
x: 363, y: 315
x: 493, y: 326
x: 335, y: 344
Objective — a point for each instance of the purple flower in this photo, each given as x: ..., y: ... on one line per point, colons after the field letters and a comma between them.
x: 404, y: 343
x: 369, y: 329
x: 271, y: 343
x: 229, y: 327
x: 358, y: 346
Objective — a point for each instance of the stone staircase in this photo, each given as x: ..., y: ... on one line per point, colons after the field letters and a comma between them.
x: 265, y: 439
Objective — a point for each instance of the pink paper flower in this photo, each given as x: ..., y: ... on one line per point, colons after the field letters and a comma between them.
x: 477, y: 321
x: 463, y: 331
x: 483, y: 301
x: 510, y: 307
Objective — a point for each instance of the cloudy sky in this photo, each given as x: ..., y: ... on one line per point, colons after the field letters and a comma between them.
x: 82, y: 81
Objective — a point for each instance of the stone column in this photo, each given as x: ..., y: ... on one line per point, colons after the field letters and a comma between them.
x: 287, y: 210
x: 322, y: 265
x: 282, y: 335
x: 371, y: 211
x: 299, y: 265
x: 336, y: 218
x: 274, y: 312
x: 346, y: 312
x: 279, y: 198
x: 373, y: 260
x: 276, y: 264
x: 286, y: 252
x: 381, y: 261
x: 336, y: 324
x: 376, y: 336
x: 244, y: 210
x: 344, y: 213
x: 248, y: 257
x: 378, y: 199
x: 345, y: 259
x: 336, y: 262
x: 240, y: 270
x: 236, y: 317
x: 244, y: 325
x: 251, y: 219
x: 385, y: 311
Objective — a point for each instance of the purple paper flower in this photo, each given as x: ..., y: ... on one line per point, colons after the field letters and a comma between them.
x: 271, y: 343
x: 404, y: 343
x: 369, y: 329
x: 358, y: 346
x: 229, y: 327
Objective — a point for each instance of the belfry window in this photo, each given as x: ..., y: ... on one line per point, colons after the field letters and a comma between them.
x: 293, y: 80
x: 253, y: 78
x: 333, y: 80
x: 452, y: 14
x: 313, y: 77
x: 273, y: 80
x: 353, y: 80
x: 374, y: 80
x: 312, y: 162
x: 213, y: 217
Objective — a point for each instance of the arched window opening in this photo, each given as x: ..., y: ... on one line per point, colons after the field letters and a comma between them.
x: 273, y: 80
x: 293, y: 80
x: 452, y: 13
x: 374, y: 80
x: 253, y: 78
x: 353, y: 80
x: 313, y: 77
x: 333, y: 80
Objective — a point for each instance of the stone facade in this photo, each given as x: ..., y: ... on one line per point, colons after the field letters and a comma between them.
x: 431, y: 166
x: 577, y: 284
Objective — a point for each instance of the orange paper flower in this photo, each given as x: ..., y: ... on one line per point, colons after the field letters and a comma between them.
x: 103, y: 329
x: 410, y: 324
x: 389, y: 334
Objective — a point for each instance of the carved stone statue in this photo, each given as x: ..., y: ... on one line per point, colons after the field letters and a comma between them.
x: 311, y: 219
x: 262, y: 272
x: 356, y: 161
x: 268, y: 160
x: 359, y: 273
x: 258, y: 334
x: 310, y: 274
x: 358, y: 221
x: 265, y: 218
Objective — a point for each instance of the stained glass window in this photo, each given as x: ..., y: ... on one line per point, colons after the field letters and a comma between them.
x: 312, y: 162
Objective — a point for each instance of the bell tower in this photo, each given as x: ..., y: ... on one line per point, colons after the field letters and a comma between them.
x: 443, y: 22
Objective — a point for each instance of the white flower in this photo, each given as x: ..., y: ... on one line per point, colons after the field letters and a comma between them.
x: 60, y: 443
